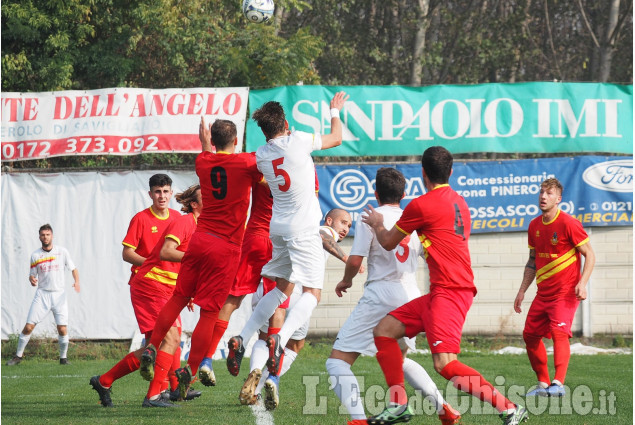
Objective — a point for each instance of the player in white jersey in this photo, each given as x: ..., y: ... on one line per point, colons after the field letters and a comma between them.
x: 337, y: 224
x: 47, y: 273
x: 391, y: 283
x: 286, y: 163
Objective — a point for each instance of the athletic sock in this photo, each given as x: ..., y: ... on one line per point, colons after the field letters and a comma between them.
x: 272, y: 331
x: 125, y: 366
x: 263, y: 311
x: 345, y: 385
x: 23, y: 340
x: 167, y: 316
x: 297, y: 316
x: 287, y: 361
x: 259, y: 355
x: 176, y: 363
x: 419, y: 379
x: 561, y: 355
x: 162, y: 365
x: 391, y: 362
x: 219, y: 330
x: 201, y: 338
x: 263, y: 378
x: 466, y: 379
x: 537, y: 354
x: 63, y: 343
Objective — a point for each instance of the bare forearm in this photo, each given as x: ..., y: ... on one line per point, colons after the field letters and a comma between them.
x: 333, y: 248
x: 353, y: 265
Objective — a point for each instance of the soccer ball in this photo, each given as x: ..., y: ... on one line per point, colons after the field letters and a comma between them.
x: 258, y: 11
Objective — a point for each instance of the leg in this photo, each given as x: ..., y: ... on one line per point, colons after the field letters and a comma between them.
x: 386, y: 333
x: 537, y: 354
x: 62, y: 331
x: 344, y: 382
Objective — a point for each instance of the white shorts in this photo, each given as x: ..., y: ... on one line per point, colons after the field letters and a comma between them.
x: 298, y: 259
x: 45, y: 301
x: 379, y: 299
x: 301, y: 332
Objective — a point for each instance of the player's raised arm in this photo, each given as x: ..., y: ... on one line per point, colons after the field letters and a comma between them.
x: 205, y: 136
x: 335, y: 137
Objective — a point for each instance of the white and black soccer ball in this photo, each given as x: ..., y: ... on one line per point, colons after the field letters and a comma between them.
x: 258, y: 11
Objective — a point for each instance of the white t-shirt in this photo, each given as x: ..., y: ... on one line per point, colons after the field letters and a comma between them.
x: 398, y: 265
x: 48, y: 267
x: 288, y: 167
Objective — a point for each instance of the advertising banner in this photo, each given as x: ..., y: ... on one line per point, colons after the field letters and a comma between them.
x: 524, y: 117
x: 116, y: 121
x: 502, y: 195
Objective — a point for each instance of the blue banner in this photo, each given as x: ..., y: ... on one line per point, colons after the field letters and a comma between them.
x: 502, y: 195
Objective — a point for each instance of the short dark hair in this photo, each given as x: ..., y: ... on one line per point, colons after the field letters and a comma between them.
x: 270, y: 118
x: 223, y: 133
x: 390, y: 185
x: 437, y: 163
x: 45, y: 227
x: 160, y: 180
x: 334, y: 213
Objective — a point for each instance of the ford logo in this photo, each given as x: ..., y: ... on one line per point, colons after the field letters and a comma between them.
x: 612, y: 176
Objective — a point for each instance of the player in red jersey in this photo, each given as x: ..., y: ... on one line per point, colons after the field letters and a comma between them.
x: 150, y: 289
x: 442, y: 221
x: 556, y: 241
x: 211, y: 262
x: 147, y: 226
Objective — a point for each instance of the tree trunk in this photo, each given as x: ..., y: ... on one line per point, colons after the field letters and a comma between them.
x: 419, y: 43
x: 608, y: 42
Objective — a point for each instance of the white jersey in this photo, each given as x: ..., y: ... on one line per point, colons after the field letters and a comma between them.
x: 48, y: 267
x: 288, y: 167
x: 398, y: 265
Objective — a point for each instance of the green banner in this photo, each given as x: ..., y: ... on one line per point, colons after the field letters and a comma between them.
x: 398, y: 120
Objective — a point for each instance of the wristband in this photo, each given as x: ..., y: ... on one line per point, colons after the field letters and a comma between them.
x: 335, y: 113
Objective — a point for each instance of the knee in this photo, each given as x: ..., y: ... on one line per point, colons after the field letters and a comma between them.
x: 531, y: 340
x: 28, y: 328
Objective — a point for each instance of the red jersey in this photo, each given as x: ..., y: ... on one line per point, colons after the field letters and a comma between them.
x: 442, y: 221
x: 166, y: 272
x: 145, y: 231
x: 226, y: 181
x: 557, y: 259
x: 260, y: 215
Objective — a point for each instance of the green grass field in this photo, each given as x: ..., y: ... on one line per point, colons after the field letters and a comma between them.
x: 43, y: 392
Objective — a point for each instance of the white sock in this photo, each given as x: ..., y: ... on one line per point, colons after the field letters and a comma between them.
x: 346, y: 387
x: 261, y: 383
x: 23, y: 340
x: 297, y: 316
x: 63, y: 342
x: 419, y: 379
x: 259, y: 355
x: 263, y: 311
x: 289, y: 358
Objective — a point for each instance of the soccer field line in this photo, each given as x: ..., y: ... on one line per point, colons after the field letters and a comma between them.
x: 40, y: 376
x: 263, y: 416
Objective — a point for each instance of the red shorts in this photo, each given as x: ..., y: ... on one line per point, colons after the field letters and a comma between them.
x: 148, y: 298
x: 255, y: 253
x: 440, y: 314
x: 208, y: 270
x: 547, y: 315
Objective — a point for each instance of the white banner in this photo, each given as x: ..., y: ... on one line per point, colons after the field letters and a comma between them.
x: 89, y: 213
x: 114, y: 121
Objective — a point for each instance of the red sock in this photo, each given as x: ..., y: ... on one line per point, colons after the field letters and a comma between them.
x: 537, y: 354
x: 167, y: 316
x: 466, y: 379
x: 272, y: 331
x: 125, y: 366
x: 219, y: 330
x: 561, y: 354
x: 161, y: 366
x: 391, y: 362
x: 202, y: 338
x: 176, y: 363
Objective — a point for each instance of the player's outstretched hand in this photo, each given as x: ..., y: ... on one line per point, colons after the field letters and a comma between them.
x: 518, y: 301
x: 190, y: 304
x: 205, y: 135
x: 372, y: 217
x: 339, y: 99
x: 341, y: 288
x: 33, y: 280
x: 76, y: 286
